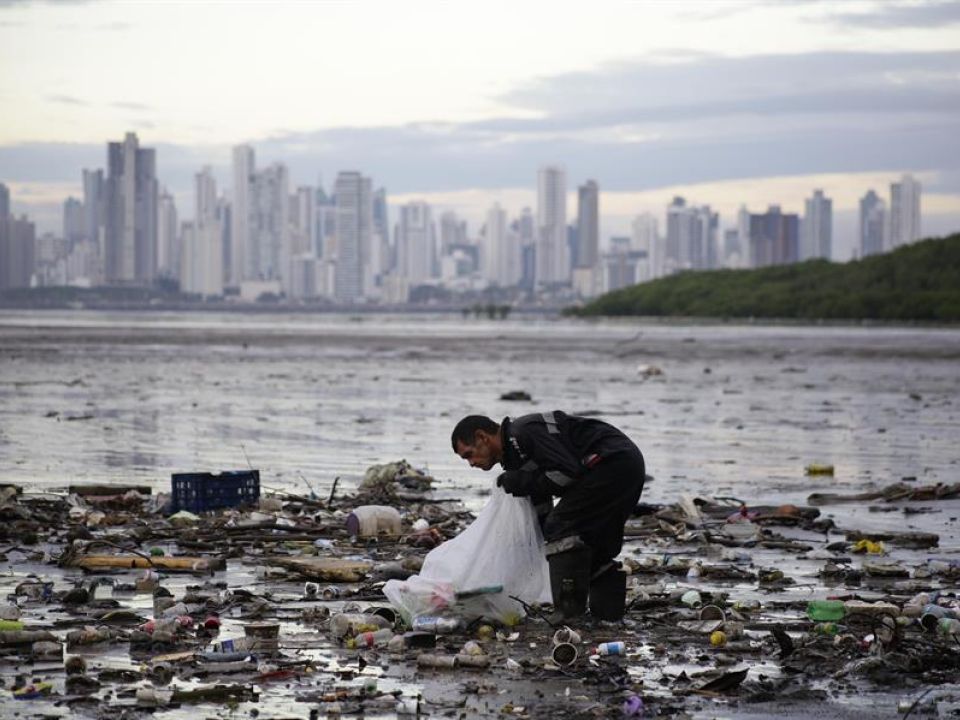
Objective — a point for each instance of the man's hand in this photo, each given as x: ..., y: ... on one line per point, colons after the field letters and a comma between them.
x: 517, y: 482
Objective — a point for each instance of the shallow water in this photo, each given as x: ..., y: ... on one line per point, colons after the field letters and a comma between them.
x: 133, y: 397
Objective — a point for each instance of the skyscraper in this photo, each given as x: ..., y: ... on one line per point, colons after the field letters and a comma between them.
x: 691, y: 241
x: 303, y: 212
x: 904, y: 215
x: 93, y: 205
x: 645, y: 239
x: 453, y: 231
x: 415, y: 243
x: 242, y: 255
x: 500, y: 257
x: 168, y: 241
x: 4, y: 201
x: 552, y: 253
x: 73, y: 221
x: 131, y: 197
x: 774, y: 238
x: 202, y: 252
x: 817, y: 227
x: 588, y: 224
x: 354, y: 203
x: 18, y: 246
x: 873, y: 224
x: 269, y: 223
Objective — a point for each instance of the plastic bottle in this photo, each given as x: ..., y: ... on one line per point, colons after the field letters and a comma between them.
x: 373, y: 520
x: 949, y: 626
x: 373, y: 639
x: 6, y: 625
x: 612, y: 648
x: 346, y: 624
x: 825, y: 610
x: 437, y: 625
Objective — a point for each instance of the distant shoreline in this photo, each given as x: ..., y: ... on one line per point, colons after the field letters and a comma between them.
x: 555, y: 313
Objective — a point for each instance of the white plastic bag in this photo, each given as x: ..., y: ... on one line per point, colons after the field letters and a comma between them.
x: 503, y: 546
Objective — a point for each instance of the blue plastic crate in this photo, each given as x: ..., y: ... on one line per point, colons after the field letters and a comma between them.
x: 202, y: 492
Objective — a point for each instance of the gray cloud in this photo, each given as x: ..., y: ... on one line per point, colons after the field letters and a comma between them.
x: 902, y: 15
x: 127, y: 105
x: 701, y: 120
x: 67, y: 100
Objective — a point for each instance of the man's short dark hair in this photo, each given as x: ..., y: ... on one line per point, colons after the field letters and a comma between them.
x: 466, y: 430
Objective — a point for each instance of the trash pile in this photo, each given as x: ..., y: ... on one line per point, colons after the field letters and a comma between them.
x: 115, y: 603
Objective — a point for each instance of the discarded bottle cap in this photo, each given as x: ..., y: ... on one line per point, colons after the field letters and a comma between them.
x: 564, y: 654
x: 310, y: 589
x: 330, y: 592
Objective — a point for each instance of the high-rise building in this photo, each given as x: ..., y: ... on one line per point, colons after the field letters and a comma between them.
x: 904, y: 218
x: 873, y: 224
x: 268, y: 223
x: 94, y: 210
x: 588, y: 225
x: 552, y: 252
x: 73, y: 221
x: 645, y: 239
x: 381, y: 257
x: 816, y: 229
x: 130, y: 221
x: 243, y: 265
x: 691, y: 240
x: 18, y: 244
x: 453, y: 231
x: 774, y: 238
x: 202, y: 252
x: 500, y: 258
x: 303, y: 210
x: 415, y: 243
x: 168, y: 239
x: 354, y: 202
x: 4, y: 201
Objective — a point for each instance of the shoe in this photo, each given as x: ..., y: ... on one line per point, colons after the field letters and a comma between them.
x: 570, y: 581
x: 608, y: 593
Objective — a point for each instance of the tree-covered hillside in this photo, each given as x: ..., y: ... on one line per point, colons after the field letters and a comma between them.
x: 916, y: 282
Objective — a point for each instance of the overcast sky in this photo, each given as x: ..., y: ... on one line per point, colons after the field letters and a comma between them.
x: 459, y: 103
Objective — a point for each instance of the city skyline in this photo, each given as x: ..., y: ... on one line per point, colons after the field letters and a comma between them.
x: 728, y: 102
x: 304, y: 243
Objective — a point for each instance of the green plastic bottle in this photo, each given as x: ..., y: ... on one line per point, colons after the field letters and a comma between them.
x: 825, y: 610
x: 10, y: 625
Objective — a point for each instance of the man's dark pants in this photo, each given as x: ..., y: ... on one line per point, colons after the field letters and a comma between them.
x: 597, y: 506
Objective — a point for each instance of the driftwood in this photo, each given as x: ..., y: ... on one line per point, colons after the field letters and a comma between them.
x: 896, y: 491
x: 108, y: 490
x: 171, y: 564
x: 917, y: 540
x: 324, y: 568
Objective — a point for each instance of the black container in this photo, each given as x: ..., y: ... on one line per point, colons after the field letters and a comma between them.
x: 608, y: 595
x: 201, y: 492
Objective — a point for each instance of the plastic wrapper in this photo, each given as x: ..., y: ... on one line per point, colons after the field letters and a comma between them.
x: 502, y: 548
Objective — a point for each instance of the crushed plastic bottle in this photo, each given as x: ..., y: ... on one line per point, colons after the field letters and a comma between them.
x: 437, y: 625
x: 825, y: 610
